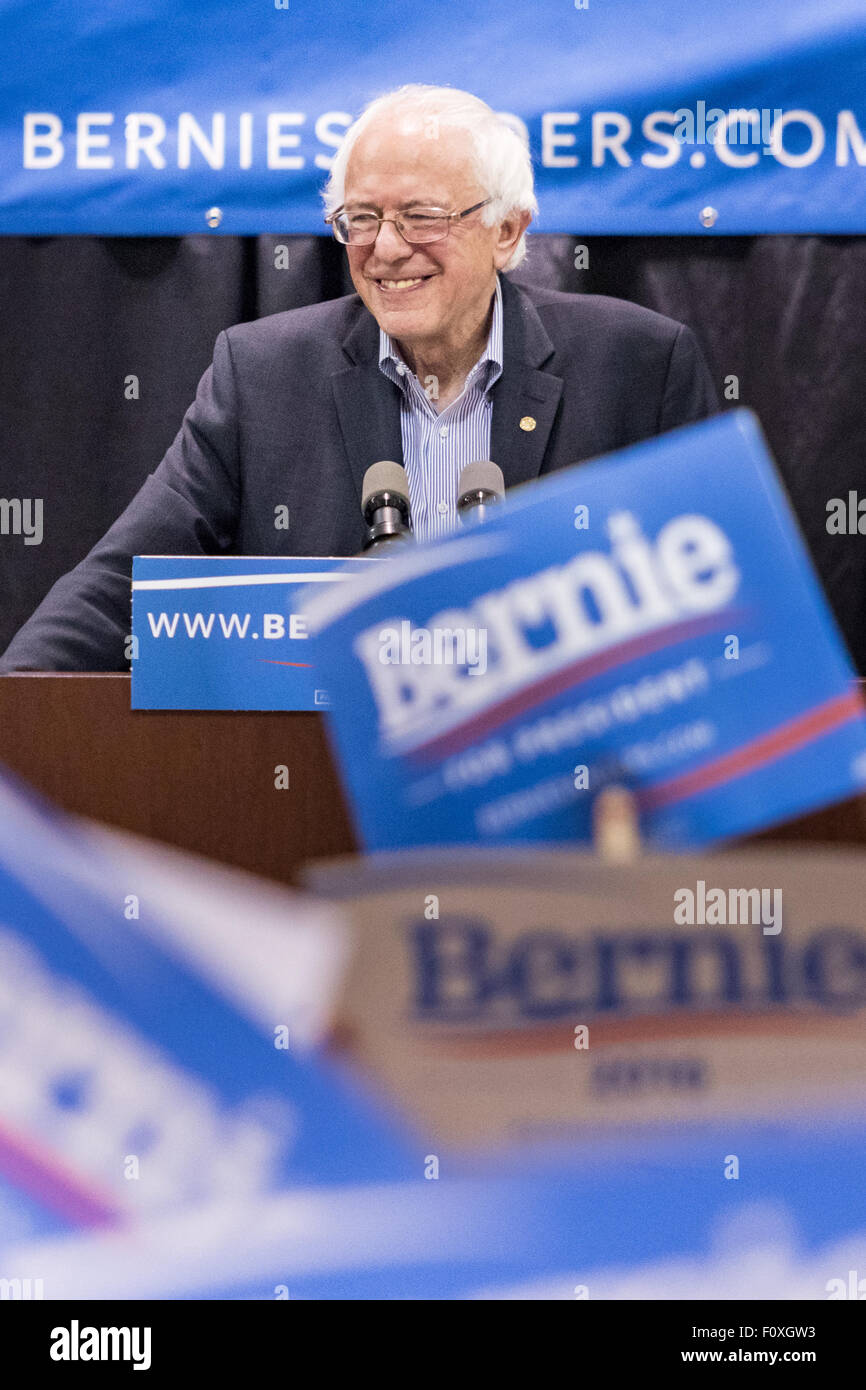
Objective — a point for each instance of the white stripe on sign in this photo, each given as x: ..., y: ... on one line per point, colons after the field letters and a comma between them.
x: 224, y: 581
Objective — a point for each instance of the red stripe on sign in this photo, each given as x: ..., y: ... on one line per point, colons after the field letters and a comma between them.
x: 38, y: 1173
x: 562, y: 679
x: 766, y: 749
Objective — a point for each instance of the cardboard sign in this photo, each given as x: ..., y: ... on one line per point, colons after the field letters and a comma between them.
x: 226, y: 632
x: 506, y: 995
x: 651, y: 619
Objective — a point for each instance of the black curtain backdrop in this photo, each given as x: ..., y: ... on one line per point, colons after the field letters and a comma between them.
x: 786, y: 315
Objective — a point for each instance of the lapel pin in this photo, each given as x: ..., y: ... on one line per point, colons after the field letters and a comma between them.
x: 527, y: 423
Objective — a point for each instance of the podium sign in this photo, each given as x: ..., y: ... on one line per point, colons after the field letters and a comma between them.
x: 225, y: 632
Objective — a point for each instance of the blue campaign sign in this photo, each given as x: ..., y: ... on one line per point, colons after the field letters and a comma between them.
x: 226, y: 633
x: 687, y: 118
x: 650, y: 619
x: 113, y: 1050
x: 649, y: 1217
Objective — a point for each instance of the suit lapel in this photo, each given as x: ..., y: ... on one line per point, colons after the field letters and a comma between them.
x: 523, y: 393
x: 368, y: 404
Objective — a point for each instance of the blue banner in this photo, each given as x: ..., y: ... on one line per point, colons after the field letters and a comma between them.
x: 650, y: 619
x: 167, y: 118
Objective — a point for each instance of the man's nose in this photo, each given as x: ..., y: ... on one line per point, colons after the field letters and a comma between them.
x: 390, y: 244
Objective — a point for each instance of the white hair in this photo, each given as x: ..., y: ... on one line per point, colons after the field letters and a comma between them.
x: 501, y: 157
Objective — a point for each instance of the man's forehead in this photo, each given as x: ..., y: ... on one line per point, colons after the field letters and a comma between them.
x: 406, y: 162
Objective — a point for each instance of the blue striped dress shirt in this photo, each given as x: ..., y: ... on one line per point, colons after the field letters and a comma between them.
x: 437, y: 447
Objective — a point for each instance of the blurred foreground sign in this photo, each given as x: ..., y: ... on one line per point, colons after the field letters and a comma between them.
x: 131, y: 1090
x: 651, y: 619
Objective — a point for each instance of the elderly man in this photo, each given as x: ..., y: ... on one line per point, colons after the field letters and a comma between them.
x: 436, y: 361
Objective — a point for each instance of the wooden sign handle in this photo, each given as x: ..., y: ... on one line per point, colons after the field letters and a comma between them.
x: 615, y: 826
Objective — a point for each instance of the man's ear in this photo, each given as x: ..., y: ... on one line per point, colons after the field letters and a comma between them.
x: 511, y: 229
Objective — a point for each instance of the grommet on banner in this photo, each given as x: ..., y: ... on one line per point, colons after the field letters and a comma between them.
x: 213, y: 217
x: 615, y: 827
x: 708, y: 217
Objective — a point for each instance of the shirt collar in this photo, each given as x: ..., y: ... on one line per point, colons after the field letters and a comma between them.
x: 390, y: 360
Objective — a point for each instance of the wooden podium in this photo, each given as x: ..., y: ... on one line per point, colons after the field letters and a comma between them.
x: 201, y: 780
x: 205, y: 780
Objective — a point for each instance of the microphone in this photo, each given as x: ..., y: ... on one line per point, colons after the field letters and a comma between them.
x: 385, y: 504
x: 481, y: 486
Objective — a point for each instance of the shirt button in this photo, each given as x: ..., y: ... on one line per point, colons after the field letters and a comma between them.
x: 444, y: 430
x: 401, y: 369
x: 442, y: 508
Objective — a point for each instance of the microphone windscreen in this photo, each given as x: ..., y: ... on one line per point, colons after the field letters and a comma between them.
x: 483, y: 475
x: 385, y: 476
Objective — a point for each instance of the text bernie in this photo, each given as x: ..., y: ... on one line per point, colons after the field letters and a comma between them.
x: 540, y: 623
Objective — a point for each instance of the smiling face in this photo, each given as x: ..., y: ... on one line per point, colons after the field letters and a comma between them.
x: 433, y: 298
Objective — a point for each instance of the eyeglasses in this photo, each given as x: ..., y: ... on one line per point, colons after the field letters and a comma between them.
x: 417, y: 227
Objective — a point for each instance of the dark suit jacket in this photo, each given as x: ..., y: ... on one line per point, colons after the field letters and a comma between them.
x: 294, y: 409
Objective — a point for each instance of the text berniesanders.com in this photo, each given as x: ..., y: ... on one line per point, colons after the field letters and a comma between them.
x: 147, y: 140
